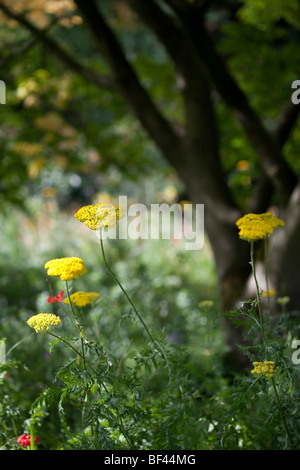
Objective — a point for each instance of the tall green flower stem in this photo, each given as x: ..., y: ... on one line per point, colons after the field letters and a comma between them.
x: 266, y: 274
x: 133, y: 305
x: 66, y: 342
x: 236, y: 408
x: 124, y: 291
x: 119, y: 419
x: 32, y: 435
x: 281, y: 413
x: 257, y: 291
x: 77, y: 352
x: 77, y: 324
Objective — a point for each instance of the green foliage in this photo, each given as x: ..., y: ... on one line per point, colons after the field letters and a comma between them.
x: 274, y: 395
x: 171, y: 392
x: 132, y: 392
x: 266, y: 12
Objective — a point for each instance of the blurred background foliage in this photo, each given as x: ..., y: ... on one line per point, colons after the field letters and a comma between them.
x: 65, y: 143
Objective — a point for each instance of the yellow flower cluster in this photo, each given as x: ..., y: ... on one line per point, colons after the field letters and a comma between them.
x: 265, y: 369
x: 257, y: 226
x: 81, y: 299
x: 66, y: 268
x: 269, y: 293
x: 99, y: 215
x: 43, y: 321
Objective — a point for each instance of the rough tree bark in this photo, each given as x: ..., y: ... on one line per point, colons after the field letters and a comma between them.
x: 193, y: 149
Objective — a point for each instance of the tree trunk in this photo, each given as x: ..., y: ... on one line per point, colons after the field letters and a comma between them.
x: 231, y: 254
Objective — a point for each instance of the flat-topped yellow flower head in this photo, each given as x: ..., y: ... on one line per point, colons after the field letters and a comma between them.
x: 99, y: 215
x: 42, y: 321
x: 266, y: 369
x: 81, y: 299
x: 257, y: 226
x: 66, y: 268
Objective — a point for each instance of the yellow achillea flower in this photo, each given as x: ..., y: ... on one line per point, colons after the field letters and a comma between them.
x: 81, y: 299
x: 257, y: 226
x: 43, y: 321
x: 269, y: 293
x: 99, y: 215
x: 66, y: 268
x: 265, y: 369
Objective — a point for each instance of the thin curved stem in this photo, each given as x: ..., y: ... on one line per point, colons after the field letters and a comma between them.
x: 223, y: 437
x: 77, y: 324
x: 124, y: 291
x: 281, y: 413
x: 266, y: 274
x: 257, y: 291
x: 66, y: 342
x: 156, y: 343
x: 78, y: 353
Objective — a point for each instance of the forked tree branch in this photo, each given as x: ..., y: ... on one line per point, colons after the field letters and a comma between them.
x: 18, y: 50
x: 162, y: 131
x: 264, y: 189
x: 274, y: 165
x: 124, y: 79
x: 201, y: 136
x: 59, y: 52
x: 195, y: 87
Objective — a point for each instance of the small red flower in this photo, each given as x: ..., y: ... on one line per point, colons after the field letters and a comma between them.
x: 56, y: 298
x: 24, y: 440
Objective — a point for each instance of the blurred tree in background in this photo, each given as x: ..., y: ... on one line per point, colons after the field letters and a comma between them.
x: 127, y: 89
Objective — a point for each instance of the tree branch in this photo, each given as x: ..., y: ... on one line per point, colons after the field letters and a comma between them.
x: 158, y: 127
x: 192, y: 76
x: 264, y: 189
x: 286, y: 122
x: 165, y: 27
x: 20, y: 49
x: 201, y: 136
x: 273, y: 163
x: 60, y: 53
